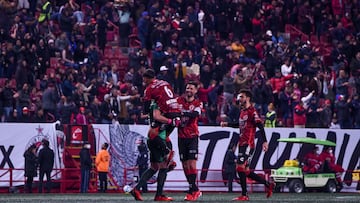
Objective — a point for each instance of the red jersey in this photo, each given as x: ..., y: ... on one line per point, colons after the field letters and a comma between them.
x: 162, y: 93
x: 190, y: 128
x: 247, y: 124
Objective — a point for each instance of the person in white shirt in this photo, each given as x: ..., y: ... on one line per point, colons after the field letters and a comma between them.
x: 286, y: 68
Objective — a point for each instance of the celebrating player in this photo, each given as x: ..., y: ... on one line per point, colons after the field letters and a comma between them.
x: 164, y: 114
x: 188, y: 138
x: 248, y: 121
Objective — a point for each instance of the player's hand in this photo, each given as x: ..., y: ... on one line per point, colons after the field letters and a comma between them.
x: 223, y: 124
x: 265, y: 146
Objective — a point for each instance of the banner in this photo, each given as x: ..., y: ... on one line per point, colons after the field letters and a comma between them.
x: 214, y: 141
x: 15, y: 138
x: 213, y: 144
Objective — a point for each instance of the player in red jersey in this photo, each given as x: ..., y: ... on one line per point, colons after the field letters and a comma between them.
x: 248, y: 121
x: 162, y: 107
x: 188, y: 138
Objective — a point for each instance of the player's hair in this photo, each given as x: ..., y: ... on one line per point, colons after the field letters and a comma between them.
x: 196, y: 84
x: 247, y: 93
x: 149, y: 73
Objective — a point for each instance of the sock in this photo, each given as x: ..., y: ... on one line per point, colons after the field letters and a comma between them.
x: 192, y: 184
x: 259, y: 179
x: 242, y: 177
x: 161, y: 181
x: 145, y: 177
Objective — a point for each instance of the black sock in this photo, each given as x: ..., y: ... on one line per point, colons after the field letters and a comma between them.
x: 242, y: 177
x: 161, y: 181
x: 145, y: 177
x: 258, y: 179
x: 192, y: 184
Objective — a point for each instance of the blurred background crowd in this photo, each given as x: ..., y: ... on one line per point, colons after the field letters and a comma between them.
x: 81, y: 61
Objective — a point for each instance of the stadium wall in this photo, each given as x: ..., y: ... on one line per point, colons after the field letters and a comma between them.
x: 213, y: 144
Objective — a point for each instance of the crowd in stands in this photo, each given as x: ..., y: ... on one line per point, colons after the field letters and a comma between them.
x: 309, y: 80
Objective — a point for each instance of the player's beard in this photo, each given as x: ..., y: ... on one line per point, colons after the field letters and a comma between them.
x: 242, y: 105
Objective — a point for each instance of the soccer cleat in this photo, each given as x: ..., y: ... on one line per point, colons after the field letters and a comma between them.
x: 270, y: 190
x: 188, y: 197
x: 171, y: 166
x: 196, y: 195
x: 163, y: 198
x: 136, y: 194
x: 241, y: 198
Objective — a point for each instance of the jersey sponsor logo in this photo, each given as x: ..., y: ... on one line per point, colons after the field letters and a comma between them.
x: 171, y: 101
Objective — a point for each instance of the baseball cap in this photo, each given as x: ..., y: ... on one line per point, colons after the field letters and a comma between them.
x: 269, y: 33
x: 158, y: 44
x: 163, y: 68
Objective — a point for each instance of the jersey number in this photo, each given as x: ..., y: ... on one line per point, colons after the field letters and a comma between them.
x: 169, y: 92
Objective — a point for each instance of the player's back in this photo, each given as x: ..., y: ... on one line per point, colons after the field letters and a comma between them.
x: 162, y: 93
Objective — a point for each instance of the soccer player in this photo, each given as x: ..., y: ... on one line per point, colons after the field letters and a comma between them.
x: 248, y: 121
x: 188, y: 138
x: 161, y: 105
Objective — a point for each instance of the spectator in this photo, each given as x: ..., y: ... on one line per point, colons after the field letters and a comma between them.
x: 270, y: 116
x: 285, y: 106
x: 39, y: 116
x: 203, y: 93
x: 326, y: 114
x: 13, y: 118
x: 228, y: 92
x: 312, y: 114
x: 143, y: 29
x: 142, y: 162
x: 355, y: 103
x: 106, y: 114
x: 343, y: 112
x: 81, y: 117
x: 49, y: 100
x: 334, y: 123
x: 212, y: 114
x: 85, y: 166
x: 163, y: 75
x: 299, y: 115
x: 342, y: 83
x: 46, y: 164
x: 286, y: 68
x: 102, y: 165
x: 26, y: 116
x: 230, y: 170
x: 31, y: 164
x: 8, y: 99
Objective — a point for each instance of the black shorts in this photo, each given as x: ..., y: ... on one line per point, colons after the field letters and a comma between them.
x: 188, y: 148
x: 156, y: 153
x: 245, y: 155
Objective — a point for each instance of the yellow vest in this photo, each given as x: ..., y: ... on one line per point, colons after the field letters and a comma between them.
x: 43, y: 15
x: 270, y: 123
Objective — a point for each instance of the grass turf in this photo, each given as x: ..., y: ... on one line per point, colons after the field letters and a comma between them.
x: 178, y: 197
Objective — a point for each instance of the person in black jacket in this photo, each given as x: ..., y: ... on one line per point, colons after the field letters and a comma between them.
x: 31, y: 163
x: 46, y: 164
x: 85, y: 165
x: 230, y: 170
x: 143, y: 162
